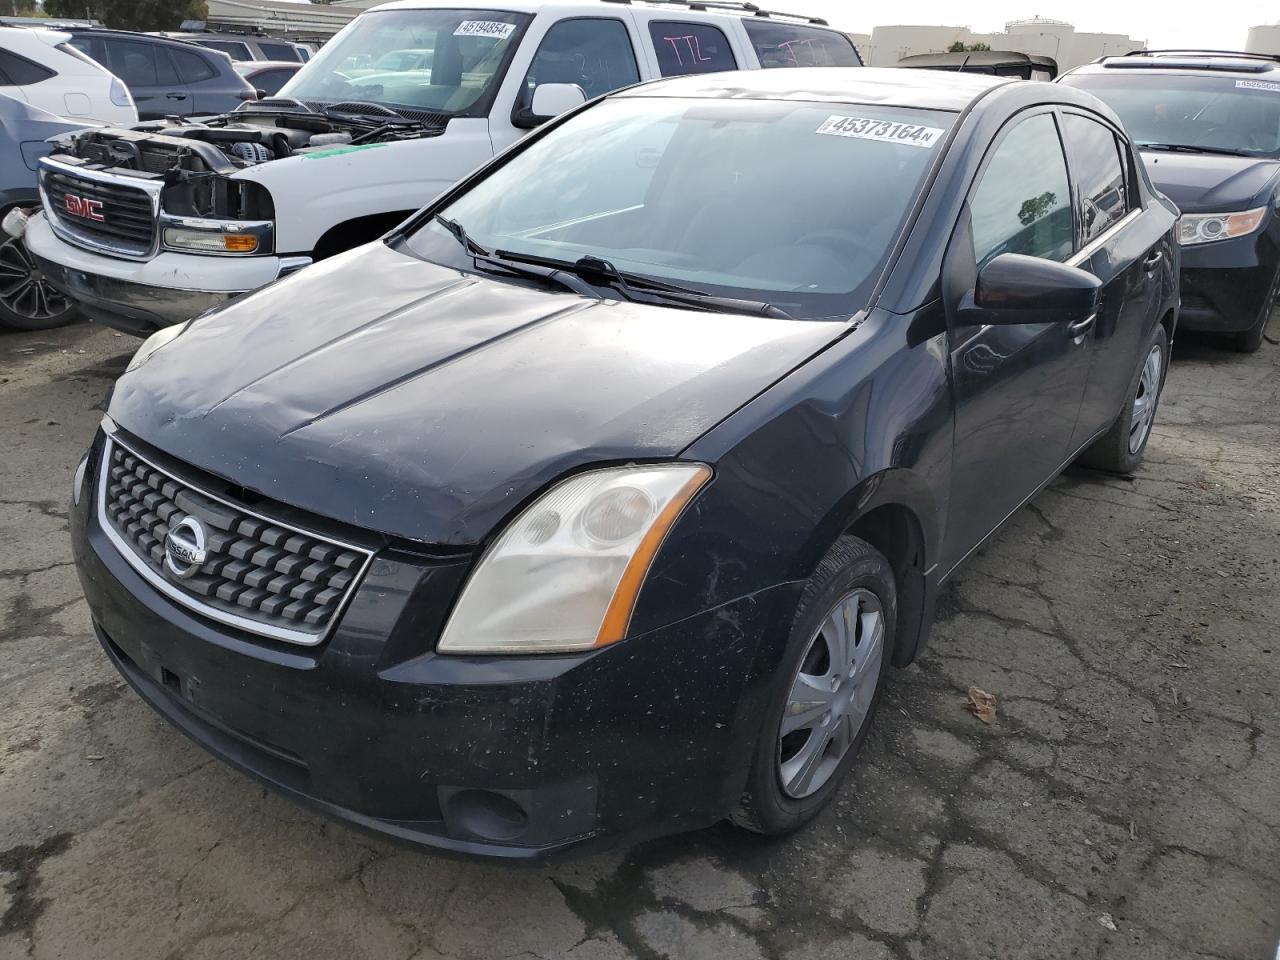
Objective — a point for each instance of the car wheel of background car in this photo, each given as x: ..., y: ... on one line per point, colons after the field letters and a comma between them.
x: 827, y: 689
x: 27, y: 300
x: 1122, y: 448
x: 1248, y: 341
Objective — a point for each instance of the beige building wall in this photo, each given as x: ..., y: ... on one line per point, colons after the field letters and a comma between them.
x: 1264, y: 38
x: 1048, y: 38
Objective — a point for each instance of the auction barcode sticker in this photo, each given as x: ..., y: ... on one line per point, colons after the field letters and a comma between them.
x: 485, y: 28
x: 1259, y: 85
x: 886, y: 131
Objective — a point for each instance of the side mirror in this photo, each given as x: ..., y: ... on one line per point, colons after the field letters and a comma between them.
x: 1014, y: 288
x: 549, y: 101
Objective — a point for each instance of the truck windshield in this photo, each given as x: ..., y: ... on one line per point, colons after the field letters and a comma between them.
x: 794, y: 204
x: 1216, y: 114
x: 444, y: 61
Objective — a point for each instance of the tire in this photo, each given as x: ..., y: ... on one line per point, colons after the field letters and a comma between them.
x: 778, y: 799
x: 27, y: 300
x: 1120, y: 449
x: 1248, y: 341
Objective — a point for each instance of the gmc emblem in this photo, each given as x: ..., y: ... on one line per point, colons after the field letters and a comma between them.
x: 83, y: 208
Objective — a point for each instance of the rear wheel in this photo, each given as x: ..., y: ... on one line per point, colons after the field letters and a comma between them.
x: 1122, y: 448
x: 826, y: 690
x: 27, y: 300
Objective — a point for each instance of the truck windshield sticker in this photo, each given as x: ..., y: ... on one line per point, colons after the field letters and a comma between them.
x: 485, y: 28
x: 339, y: 151
x: 886, y: 131
x: 1259, y: 85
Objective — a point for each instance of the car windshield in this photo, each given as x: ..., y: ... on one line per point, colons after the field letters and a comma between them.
x: 446, y: 61
x: 1218, y: 114
x: 795, y: 204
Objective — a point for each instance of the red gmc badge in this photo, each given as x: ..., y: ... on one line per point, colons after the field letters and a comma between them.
x: 84, y: 208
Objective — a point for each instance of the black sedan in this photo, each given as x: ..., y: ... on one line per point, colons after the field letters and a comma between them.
x: 595, y: 501
x: 1208, y: 126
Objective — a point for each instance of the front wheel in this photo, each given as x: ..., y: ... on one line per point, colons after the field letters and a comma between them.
x: 28, y: 301
x: 1122, y: 448
x: 826, y: 690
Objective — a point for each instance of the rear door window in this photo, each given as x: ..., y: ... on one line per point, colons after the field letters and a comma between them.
x: 21, y: 72
x: 1022, y: 203
x: 596, y: 54
x: 796, y: 45
x: 685, y: 48
x: 132, y: 62
x: 278, y: 51
x: 1099, y: 169
x: 192, y: 68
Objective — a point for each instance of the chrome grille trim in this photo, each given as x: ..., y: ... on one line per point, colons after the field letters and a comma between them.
x: 138, y: 190
x: 151, y: 571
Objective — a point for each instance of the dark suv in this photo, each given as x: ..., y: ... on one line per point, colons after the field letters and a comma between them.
x: 1207, y: 125
x: 167, y: 77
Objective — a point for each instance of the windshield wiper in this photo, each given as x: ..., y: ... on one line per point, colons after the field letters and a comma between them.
x: 536, y: 272
x: 642, y: 289
x: 1191, y: 148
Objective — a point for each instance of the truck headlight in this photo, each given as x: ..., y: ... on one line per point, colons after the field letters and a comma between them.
x: 565, y: 574
x: 1196, y: 228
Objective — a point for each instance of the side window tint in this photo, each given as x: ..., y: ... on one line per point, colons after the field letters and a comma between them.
x: 1100, y: 174
x: 22, y: 72
x: 270, y: 81
x: 192, y: 68
x: 780, y: 44
x: 278, y: 51
x: 594, y: 54
x: 690, y: 48
x: 1023, y: 202
x: 134, y: 63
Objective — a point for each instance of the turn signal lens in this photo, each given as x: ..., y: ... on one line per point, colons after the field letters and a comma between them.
x: 565, y: 574
x: 1196, y: 228
x: 209, y: 241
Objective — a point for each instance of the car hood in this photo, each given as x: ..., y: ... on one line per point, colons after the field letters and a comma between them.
x: 1208, y: 183
x: 420, y: 402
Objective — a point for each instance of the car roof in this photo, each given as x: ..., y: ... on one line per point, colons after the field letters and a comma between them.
x: 1186, y: 61
x: 678, y: 8
x: 925, y: 89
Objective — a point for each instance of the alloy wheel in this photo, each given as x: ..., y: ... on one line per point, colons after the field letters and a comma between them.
x: 24, y: 289
x: 1144, y: 403
x: 831, y: 693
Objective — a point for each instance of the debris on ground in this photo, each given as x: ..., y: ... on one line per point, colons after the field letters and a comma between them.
x: 981, y: 704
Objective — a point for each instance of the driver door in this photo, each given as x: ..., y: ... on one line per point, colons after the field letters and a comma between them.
x: 1018, y: 388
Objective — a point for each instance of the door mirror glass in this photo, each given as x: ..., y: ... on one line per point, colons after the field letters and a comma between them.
x: 1013, y: 288
x: 549, y: 101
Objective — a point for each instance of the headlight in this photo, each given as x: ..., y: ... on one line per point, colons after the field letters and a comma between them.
x: 154, y: 343
x: 1196, y: 228
x: 565, y: 574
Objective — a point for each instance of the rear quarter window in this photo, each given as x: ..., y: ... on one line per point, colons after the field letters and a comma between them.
x: 685, y: 48
x: 22, y: 72
x: 278, y: 51
x: 797, y: 45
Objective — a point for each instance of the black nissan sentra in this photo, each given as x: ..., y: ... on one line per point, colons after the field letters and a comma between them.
x: 595, y: 501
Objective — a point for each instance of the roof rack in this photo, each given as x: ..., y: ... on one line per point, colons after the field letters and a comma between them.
x: 1200, y: 52
x: 736, y: 6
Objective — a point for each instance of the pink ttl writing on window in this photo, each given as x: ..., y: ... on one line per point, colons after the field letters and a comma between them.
x: 691, y: 42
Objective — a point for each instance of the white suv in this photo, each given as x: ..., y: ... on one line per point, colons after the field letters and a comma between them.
x: 42, y: 68
x: 146, y: 231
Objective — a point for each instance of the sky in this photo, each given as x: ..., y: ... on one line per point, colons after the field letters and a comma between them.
x: 1221, y: 24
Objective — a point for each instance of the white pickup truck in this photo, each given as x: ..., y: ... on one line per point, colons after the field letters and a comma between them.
x: 150, y: 226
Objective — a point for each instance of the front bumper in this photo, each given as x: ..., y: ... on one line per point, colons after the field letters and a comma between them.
x: 1225, y: 285
x: 516, y: 758
x: 139, y: 297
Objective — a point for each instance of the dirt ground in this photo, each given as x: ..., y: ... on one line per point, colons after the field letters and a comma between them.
x: 1123, y: 806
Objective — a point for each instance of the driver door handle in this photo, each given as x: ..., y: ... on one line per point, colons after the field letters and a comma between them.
x: 1080, y: 328
x: 175, y: 96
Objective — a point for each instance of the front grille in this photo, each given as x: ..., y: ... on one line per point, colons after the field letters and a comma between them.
x: 127, y: 224
x: 257, y: 574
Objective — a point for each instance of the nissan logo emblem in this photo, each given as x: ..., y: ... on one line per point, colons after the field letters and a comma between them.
x: 184, y: 548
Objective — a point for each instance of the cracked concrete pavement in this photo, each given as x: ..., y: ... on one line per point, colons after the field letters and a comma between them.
x: 1123, y: 806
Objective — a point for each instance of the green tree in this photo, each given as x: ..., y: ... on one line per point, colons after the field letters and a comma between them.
x: 129, y: 14
x: 961, y: 47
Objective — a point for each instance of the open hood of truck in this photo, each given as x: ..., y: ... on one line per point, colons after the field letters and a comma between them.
x: 417, y: 401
